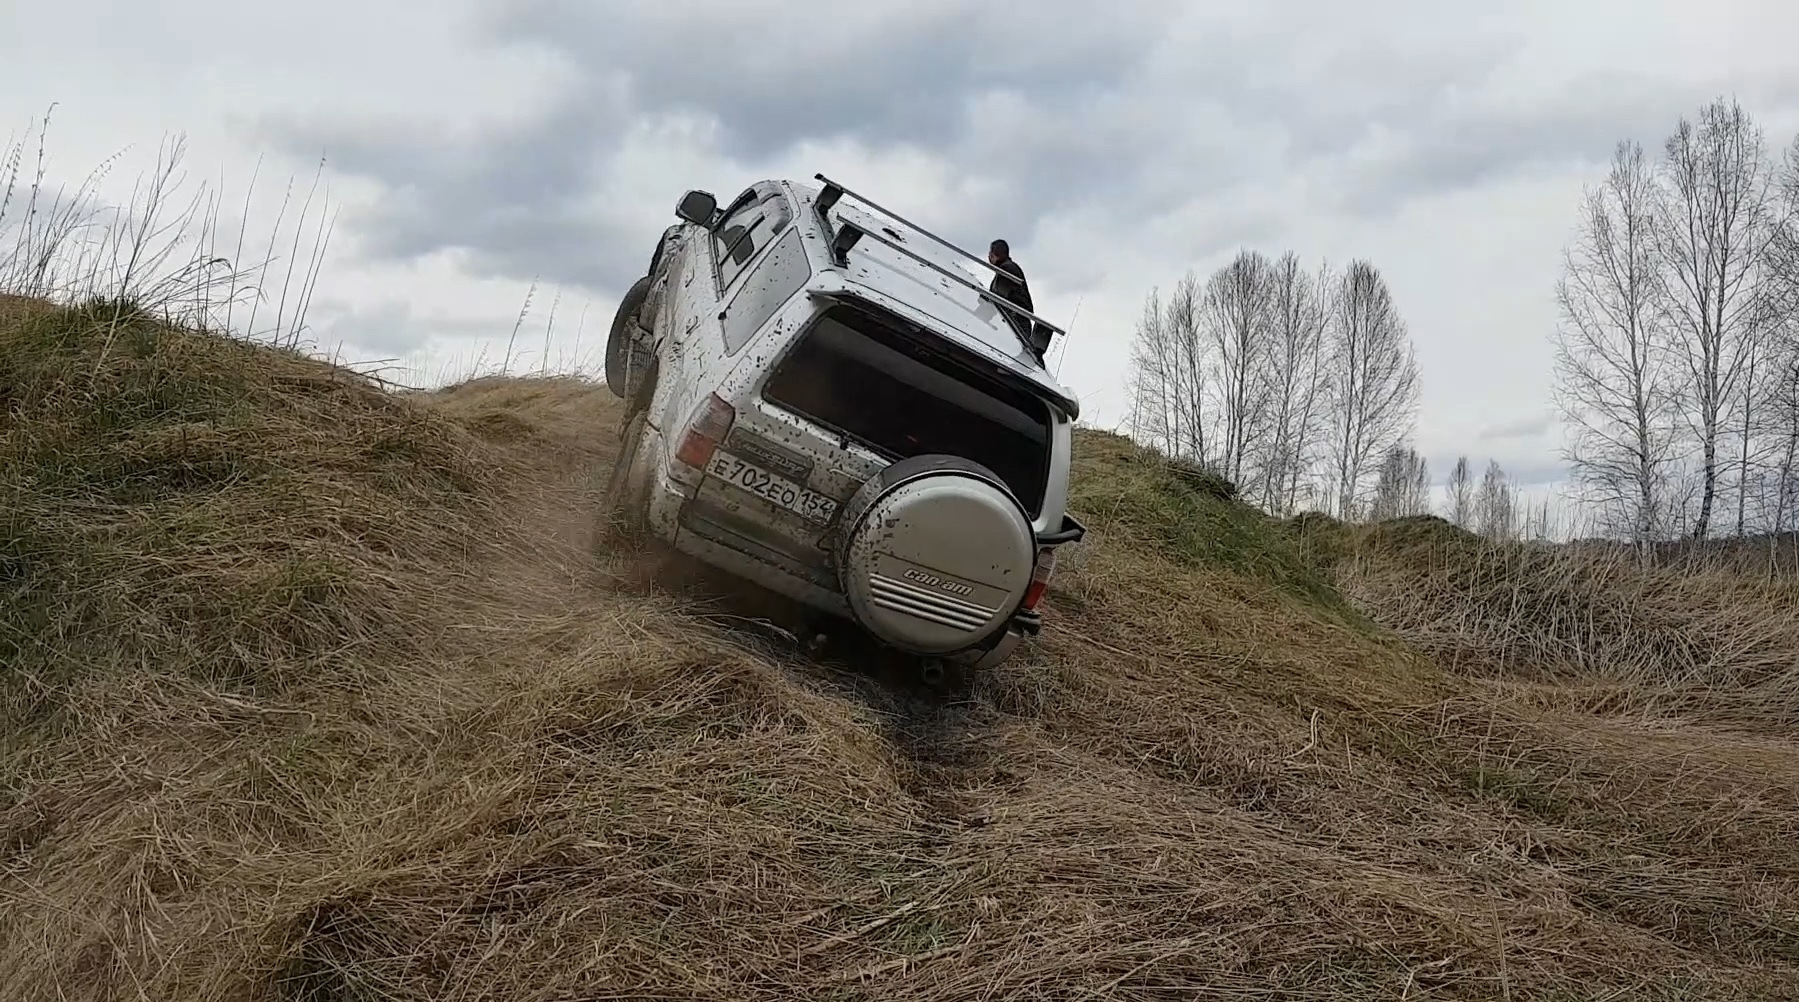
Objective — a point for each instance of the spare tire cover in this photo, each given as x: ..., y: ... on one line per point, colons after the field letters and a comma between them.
x: 935, y: 554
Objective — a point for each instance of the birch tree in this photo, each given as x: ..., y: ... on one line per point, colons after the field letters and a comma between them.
x: 1780, y: 407
x: 1290, y: 383
x: 1403, y: 486
x: 1296, y: 384
x: 1713, y: 238
x: 1780, y: 501
x: 1236, y: 311
x: 1151, y: 376
x: 1538, y: 523
x: 1495, y: 509
x: 1374, y: 381
x: 1616, y: 381
x: 1783, y: 417
x: 1170, y: 367
x: 1459, y: 493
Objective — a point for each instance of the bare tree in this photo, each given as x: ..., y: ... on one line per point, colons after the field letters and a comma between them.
x: 1299, y: 309
x: 1780, y: 291
x: 1615, y: 377
x: 1750, y: 418
x: 1782, y: 414
x: 1152, y: 358
x: 1495, y: 508
x: 1537, y: 523
x: 1459, y: 492
x: 1780, y: 297
x: 1713, y: 239
x: 1374, y: 381
x: 1192, y: 365
x: 1403, y: 486
x: 1236, y: 318
x: 1417, y: 485
x: 1169, y: 369
x: 1267, y: 373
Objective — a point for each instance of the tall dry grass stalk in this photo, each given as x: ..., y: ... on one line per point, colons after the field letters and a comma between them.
x: 158, y: 252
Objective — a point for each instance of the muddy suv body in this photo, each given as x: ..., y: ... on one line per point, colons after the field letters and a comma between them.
x: 824, y: 399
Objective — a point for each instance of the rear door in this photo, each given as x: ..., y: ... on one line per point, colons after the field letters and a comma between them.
x: 870, y: 378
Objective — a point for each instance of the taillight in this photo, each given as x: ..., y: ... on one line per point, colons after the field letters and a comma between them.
x: 1046, y: 566
x: 710, y: 422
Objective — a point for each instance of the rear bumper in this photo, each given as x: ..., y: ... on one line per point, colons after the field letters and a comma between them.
x: 676, y: 518
x: 736, y: 557
x: 714, y: 542
x: 1023, y: 624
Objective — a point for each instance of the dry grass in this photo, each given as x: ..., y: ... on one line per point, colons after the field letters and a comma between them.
x: 326, y: 697
x: 1715, y: 637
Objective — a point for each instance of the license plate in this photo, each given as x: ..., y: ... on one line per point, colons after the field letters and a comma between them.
x: 769, y: 487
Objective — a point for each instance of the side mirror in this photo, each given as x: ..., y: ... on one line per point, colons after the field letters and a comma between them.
x: 697, y: 207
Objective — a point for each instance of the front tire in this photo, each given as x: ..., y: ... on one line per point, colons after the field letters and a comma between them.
x: 624, y: 364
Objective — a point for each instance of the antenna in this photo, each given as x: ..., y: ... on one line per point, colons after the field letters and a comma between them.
x: 1065, y: 335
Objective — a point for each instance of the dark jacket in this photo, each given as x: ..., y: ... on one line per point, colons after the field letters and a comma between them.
x: 1012, y: 287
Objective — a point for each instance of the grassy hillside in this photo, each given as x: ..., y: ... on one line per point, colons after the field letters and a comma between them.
x: 318, y: 692
x: 1710, y: 632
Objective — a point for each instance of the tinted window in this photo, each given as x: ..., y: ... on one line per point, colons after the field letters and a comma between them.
x: 773, y: 282
x: 746, y: 232
x: 874, y: 381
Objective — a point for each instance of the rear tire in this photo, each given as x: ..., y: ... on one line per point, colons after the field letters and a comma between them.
x: 625, y: 363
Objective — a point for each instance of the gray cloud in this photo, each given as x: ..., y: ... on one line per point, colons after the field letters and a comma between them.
x: 1115, y: 147
x: 1113, y: 152
x: 519, y: 198
x: 390, y: 328
x: 880, y: 72
x: 1444, y: 147
x: 1058, y: 113
x: 1530, y: 427
x: 1526, y: 468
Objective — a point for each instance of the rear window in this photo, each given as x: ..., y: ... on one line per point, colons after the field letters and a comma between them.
x: 873, y: 380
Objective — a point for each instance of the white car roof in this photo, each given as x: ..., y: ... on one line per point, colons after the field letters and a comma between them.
x: 957, y: 309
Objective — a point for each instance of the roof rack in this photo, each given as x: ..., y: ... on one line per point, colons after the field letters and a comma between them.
x: 845, y: 237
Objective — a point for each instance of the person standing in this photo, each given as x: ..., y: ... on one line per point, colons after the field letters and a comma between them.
x: 1010, y: 285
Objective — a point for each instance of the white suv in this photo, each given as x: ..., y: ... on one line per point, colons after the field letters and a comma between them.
x: 823, y: 400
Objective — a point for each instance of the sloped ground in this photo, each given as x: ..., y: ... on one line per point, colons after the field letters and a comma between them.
x: 314, y: 692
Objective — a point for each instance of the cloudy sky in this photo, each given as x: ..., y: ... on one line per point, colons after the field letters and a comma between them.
x: 472, y: 148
